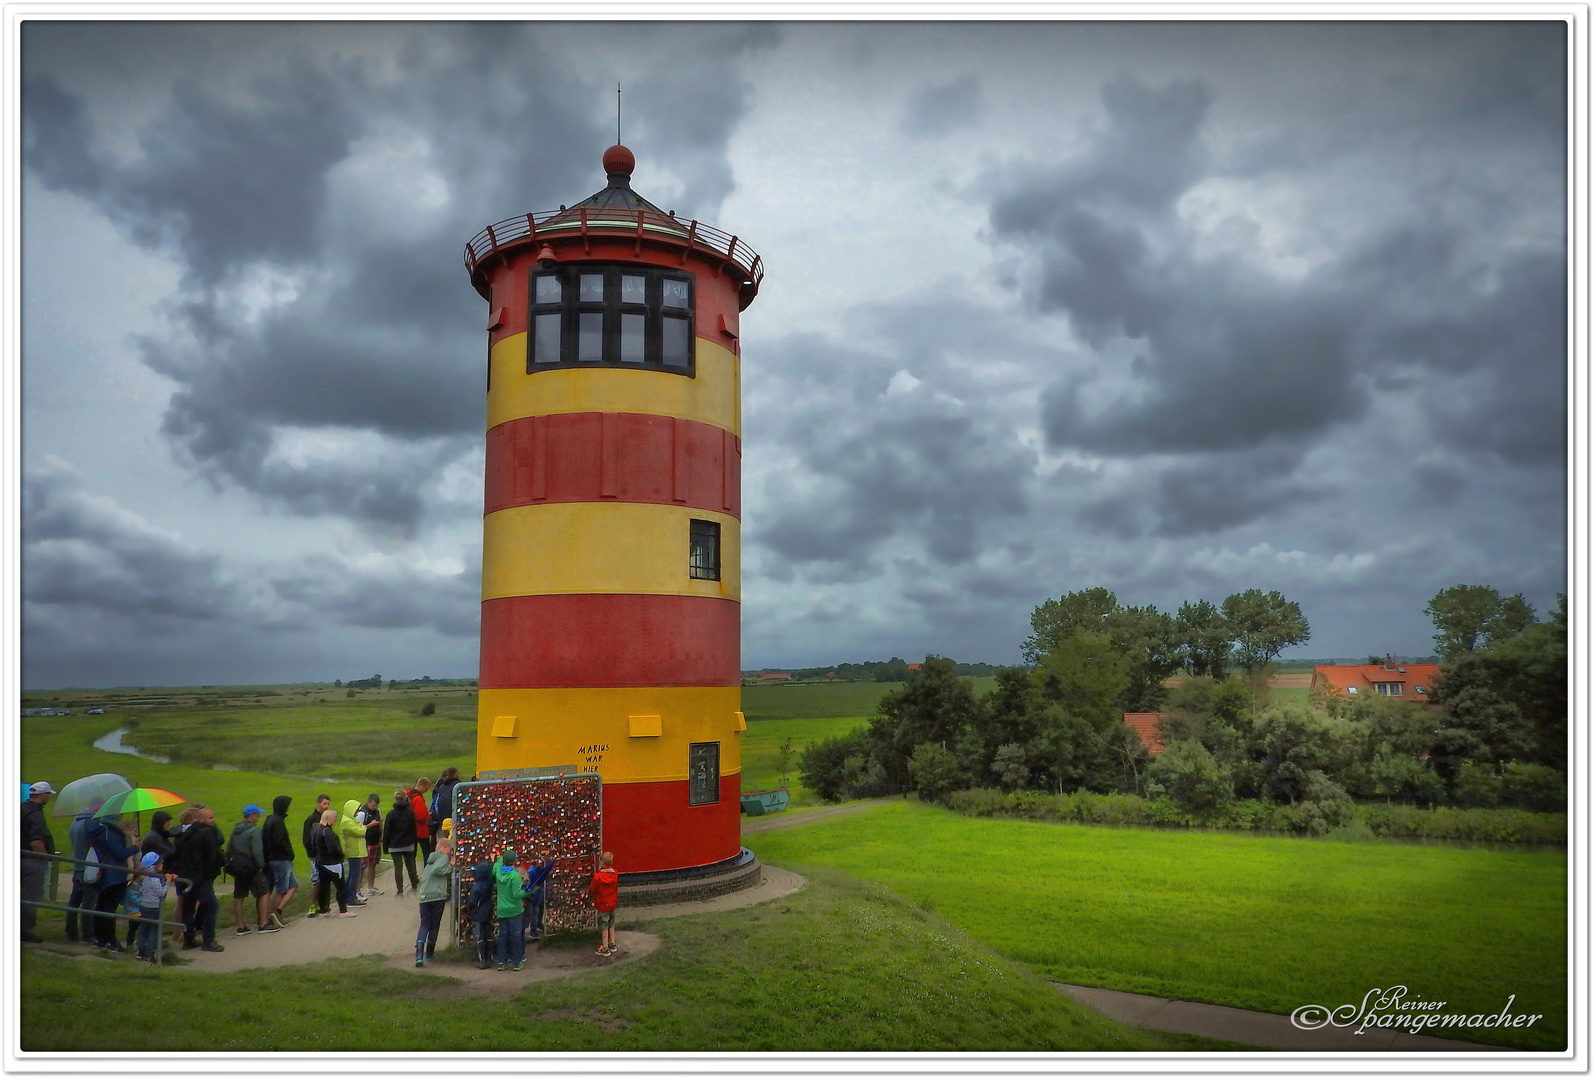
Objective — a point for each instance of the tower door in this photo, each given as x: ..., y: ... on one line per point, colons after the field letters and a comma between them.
x: 703, y: 773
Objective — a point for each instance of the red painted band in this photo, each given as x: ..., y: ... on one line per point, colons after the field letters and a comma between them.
x: 591, y: 639
x: 651, y: 827
x: 620, y: 457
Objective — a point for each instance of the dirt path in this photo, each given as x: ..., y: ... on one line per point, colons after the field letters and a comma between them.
x: 386, y: 926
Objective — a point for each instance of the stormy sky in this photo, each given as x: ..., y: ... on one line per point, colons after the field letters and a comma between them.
x: 1176, y: 309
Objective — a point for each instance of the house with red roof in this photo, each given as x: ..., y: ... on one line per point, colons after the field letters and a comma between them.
x: 1409, y: 682
x: 1145, y: 725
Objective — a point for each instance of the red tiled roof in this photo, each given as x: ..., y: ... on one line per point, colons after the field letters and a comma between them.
x: 913, y: 667
x: 1145, y: 725
x: 1339, y: 678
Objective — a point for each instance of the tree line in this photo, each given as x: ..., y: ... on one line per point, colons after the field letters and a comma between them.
x: 1495, y: 737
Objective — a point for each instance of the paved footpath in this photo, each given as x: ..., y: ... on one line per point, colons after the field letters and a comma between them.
x: 387, y: 926
x: 1269, y: 1031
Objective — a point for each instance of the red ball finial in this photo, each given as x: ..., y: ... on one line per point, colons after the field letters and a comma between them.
x: 618, y: 159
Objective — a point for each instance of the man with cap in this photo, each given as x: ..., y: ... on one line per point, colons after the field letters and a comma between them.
x: 36, y: 839
x: 246, y: 861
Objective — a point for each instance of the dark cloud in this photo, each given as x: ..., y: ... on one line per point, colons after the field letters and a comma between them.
x: 942, y: 110
x: 1224, y: 357
x: 105, y: 592
x: 883, y: 440
x: 387, y: 598
x: 917, y: 465
x: 1204, y: 493
x: 319, y: 212
x: 84, y: 554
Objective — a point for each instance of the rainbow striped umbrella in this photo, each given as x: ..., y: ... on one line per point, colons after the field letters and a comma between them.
x: 138, y: 800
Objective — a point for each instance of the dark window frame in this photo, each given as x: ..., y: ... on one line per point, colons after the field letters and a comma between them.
x: 571, y: 307
x: 696, y: 795
x: 703, y: 536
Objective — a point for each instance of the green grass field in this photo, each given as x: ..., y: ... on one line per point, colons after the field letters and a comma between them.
x: 1253, y: 922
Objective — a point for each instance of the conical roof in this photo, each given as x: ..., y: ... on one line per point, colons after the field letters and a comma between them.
x: 617, y: 194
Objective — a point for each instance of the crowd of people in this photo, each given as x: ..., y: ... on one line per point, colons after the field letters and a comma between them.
x: 116, y: 873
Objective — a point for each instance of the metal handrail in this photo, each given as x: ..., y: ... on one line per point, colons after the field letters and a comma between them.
x: 639, y: 223
x: 161, y: 923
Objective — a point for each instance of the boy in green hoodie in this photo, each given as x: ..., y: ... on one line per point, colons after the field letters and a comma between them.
x: 509, y: 886
x: 352, y: 834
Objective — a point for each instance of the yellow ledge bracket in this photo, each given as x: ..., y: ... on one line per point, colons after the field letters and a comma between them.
x: 504, y: 727
x: 644, y: 727
x: 742, y: 722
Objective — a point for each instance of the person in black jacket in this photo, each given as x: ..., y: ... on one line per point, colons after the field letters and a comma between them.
x: 279, y: 859
x: 399, y: 840
x: 323, y: 802
x: 199, y: 859
x: 371, y: 816
x: 443, y: 799
x: 327, y: 850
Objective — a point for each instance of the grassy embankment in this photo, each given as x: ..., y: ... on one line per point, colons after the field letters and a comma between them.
x: 1250, y: 921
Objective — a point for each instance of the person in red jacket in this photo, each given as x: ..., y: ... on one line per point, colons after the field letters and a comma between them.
x: 603, y: 888
x: 418, y: 803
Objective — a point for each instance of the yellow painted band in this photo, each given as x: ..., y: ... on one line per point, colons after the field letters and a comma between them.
x: 591, y: 728
x: 709, y: 397
x: 601, y: 547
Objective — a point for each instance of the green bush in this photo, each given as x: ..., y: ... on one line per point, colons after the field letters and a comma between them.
x: 1326, y: 815
x: 935, y: 771
x: 1534, y: 787
x: 1456, y: 823
x: 1189, y: 775
x: 1405, y: 778
x: 1010, y: 766
x: 830, y: 766
x: 429, y: 709
x: 1477, y: 786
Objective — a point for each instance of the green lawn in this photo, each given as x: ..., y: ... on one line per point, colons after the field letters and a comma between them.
x: 1254, y: 922
x: 841, y: 966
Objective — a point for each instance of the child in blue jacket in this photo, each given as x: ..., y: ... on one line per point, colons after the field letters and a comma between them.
x: 479, y: 909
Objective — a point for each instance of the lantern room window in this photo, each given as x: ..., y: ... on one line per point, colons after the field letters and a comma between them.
x: 596, y: 315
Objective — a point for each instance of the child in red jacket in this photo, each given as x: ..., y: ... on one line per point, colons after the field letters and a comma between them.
x: 603, y: 888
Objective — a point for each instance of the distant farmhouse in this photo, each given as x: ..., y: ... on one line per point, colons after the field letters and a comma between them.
x: 1409, y: 682
x: 1145, y: 725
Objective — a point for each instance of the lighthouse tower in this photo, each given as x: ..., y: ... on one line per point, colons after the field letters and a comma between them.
x: 610, y: 576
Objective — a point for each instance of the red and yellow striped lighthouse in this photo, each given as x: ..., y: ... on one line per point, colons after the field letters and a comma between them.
x: 610, y: 578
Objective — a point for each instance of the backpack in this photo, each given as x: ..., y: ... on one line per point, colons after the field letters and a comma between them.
x: 239, y: 864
